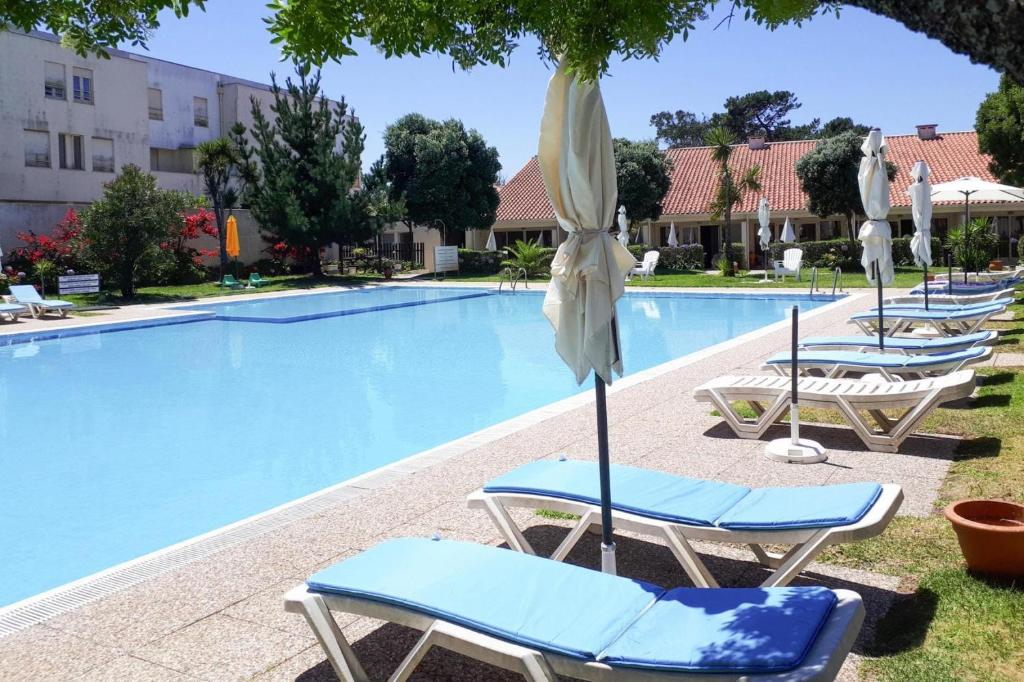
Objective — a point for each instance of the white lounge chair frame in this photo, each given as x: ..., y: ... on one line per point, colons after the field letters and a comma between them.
x: 790, y: 264
x: 805, y: 543
x: 896, y: 322
x: 769, y: 397
x: 822, y: 662
x: 646, y: 268
x: 870, y: 345
x: 965, y: 299
x: 838, y: 370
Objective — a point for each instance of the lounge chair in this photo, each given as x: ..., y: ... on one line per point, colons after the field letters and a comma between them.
x: 679, y: 510
x: 12, y: 310
x: 961, y: 289
x: 1001, y: 295
x: 901, y: 344
x: 230, y: 282
x: 27, y: 295
x: 790, y: 264
x: 545, y: 618
x: 769, y: 397
x: 256, y: 281
x: 956, y: 307
x: 646, y: 268
x: 891, y: 366
x: 946, y: 322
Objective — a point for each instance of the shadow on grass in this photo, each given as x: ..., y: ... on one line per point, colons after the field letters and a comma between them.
x: 906, y: 624
x: 983, y: 447
x: 995, y: 400
x: 997, y: 379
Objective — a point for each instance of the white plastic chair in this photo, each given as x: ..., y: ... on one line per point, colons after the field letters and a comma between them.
x: 646, y: 268
x: 790, y: 264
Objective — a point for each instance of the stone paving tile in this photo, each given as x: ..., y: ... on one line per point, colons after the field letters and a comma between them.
x: 267, y: 608
x: 42, y: 653
x: 131, y: 668
x: 224, y: 648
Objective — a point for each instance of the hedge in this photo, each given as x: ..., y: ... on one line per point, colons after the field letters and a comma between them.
x: 841, y: 253
x: 687, y: 257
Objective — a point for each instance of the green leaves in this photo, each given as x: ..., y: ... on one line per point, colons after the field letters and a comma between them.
x: 642, y: 174
x: 1000, y: 126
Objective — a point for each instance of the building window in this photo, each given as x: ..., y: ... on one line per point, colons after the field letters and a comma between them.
x: 82, y: 89
x: 37, y: 148
x: 199, y: 114
x: 54, y: 85
x: 806, y: 232
x: 69, y: 150
x: 102, y: 155
x: 156, y: 104
x: 829, y: 229
x: 171, y: 160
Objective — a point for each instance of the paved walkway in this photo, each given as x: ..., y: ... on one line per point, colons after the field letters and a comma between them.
x: 221, y: 617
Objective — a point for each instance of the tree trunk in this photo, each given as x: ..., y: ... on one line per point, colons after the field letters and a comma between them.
x: 314, y: 262
x: 729, y: 271
x: 127, y: 282
x: 222, y: 237
x: 851, y: 230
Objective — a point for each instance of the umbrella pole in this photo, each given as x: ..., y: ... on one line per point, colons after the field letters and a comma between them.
x: 925, y: 286
x: 878, y: 285
x: 607, y: 542
x: 949, y: 276
x: 967, y: 233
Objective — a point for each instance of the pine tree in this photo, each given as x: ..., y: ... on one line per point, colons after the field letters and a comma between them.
x: 297, y: 183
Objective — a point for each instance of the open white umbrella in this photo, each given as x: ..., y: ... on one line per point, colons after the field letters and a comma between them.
x: 764, y: 234
x: 921, y: 208
x: 788, y: 236
x: 673, y: 240
x: 492, y: 244
x: 623, y: 226
x: 970, y: 187
x: 589, y: 268
x: 875, y: 234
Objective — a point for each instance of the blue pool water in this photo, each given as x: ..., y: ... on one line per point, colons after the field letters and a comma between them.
x: 116, y: 444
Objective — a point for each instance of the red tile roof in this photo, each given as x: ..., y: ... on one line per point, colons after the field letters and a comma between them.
x: 950, y: 156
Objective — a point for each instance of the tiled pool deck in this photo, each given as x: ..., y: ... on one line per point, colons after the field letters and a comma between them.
x: 221, y: 617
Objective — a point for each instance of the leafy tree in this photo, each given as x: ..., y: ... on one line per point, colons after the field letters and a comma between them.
x: 684, y: 128
x: 642, y: 173
x: 122, y: 232
x: 828, y: 175
x: 215, y: 160
x: 973, y: 244
x: 384, y: 209
x: 730, y: 189
x: 445, y: 173
x: 300, y: 190
x: 1000, y: 126
x: 762, y: 113
x: 477, y: 33
x: 530, y: 256
x: 842, y: 124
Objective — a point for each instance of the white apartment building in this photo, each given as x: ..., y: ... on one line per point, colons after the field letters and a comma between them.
x: 68, y: 123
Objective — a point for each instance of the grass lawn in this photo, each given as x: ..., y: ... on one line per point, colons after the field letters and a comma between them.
x: 189, y: 292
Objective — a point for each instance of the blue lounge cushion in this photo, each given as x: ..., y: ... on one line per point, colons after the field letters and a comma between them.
x: 911, y: 314
x: 695, y: 502
x: 517, y: 597
x: 804, y: 507
x: 868, y: 360
x: 645, y: 492
x: 941, y: 306
x: 725, y: 630
x: 573, y: 611
x: 901, y: 342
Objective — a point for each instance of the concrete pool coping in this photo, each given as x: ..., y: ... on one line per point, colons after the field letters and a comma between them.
x: 55, y: 601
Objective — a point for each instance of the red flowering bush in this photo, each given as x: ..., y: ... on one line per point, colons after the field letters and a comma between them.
x: 62, y: 247
x: 184, y: 262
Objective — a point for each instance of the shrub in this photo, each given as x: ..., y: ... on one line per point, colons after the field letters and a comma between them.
x: 841, y: 253
x: 973, y: 245
x: 480, y: 262
x: 61, y: 247
x: 46, y: 270
x: 687, y: 257
x: 530, y: 256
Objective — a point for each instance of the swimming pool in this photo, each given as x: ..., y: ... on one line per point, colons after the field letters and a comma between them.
x: 113, y: 445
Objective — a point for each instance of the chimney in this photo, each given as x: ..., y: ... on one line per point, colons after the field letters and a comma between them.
x: 926, y: 131
x: 756, y: 142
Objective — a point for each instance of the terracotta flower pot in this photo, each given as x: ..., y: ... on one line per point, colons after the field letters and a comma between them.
x: 995, y: 265
x: 991, y: 535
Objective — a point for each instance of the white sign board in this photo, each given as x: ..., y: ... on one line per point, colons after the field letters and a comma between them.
x: 78, y: 284
x: 446, y: 259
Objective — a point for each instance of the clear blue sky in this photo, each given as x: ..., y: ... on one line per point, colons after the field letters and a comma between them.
x: 858, y: 65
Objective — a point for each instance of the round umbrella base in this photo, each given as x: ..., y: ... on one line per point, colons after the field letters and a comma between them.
x: 804, y: 451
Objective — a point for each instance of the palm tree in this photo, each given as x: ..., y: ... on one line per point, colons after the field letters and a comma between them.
x: 215, y: 160
x: 730, y: 190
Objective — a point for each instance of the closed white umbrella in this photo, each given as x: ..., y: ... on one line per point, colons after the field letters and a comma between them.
x: 788, y: 235
x: 921, y: 208
x: 492, y: 244
x: 673, y: 240
x: 623, y: 226
x: 589, y: 268
x: 970, y: 187
x: 875, y: 234
x: 764, y: 233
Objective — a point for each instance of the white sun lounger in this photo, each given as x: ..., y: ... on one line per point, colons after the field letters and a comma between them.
x: 680, y: 510
x: 891, y: 366
x: 947, y: 322
x: 545, y: 619
x: 769, y: 397
x: 1002, y: 295
x: 901, y: 344
x: 27, y: 295
x: 12, y: 310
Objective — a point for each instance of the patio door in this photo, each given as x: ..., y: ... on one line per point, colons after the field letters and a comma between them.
x: 709, y: 239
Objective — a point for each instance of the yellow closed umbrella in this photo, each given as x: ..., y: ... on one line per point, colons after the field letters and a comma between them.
x: 231, y: 243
